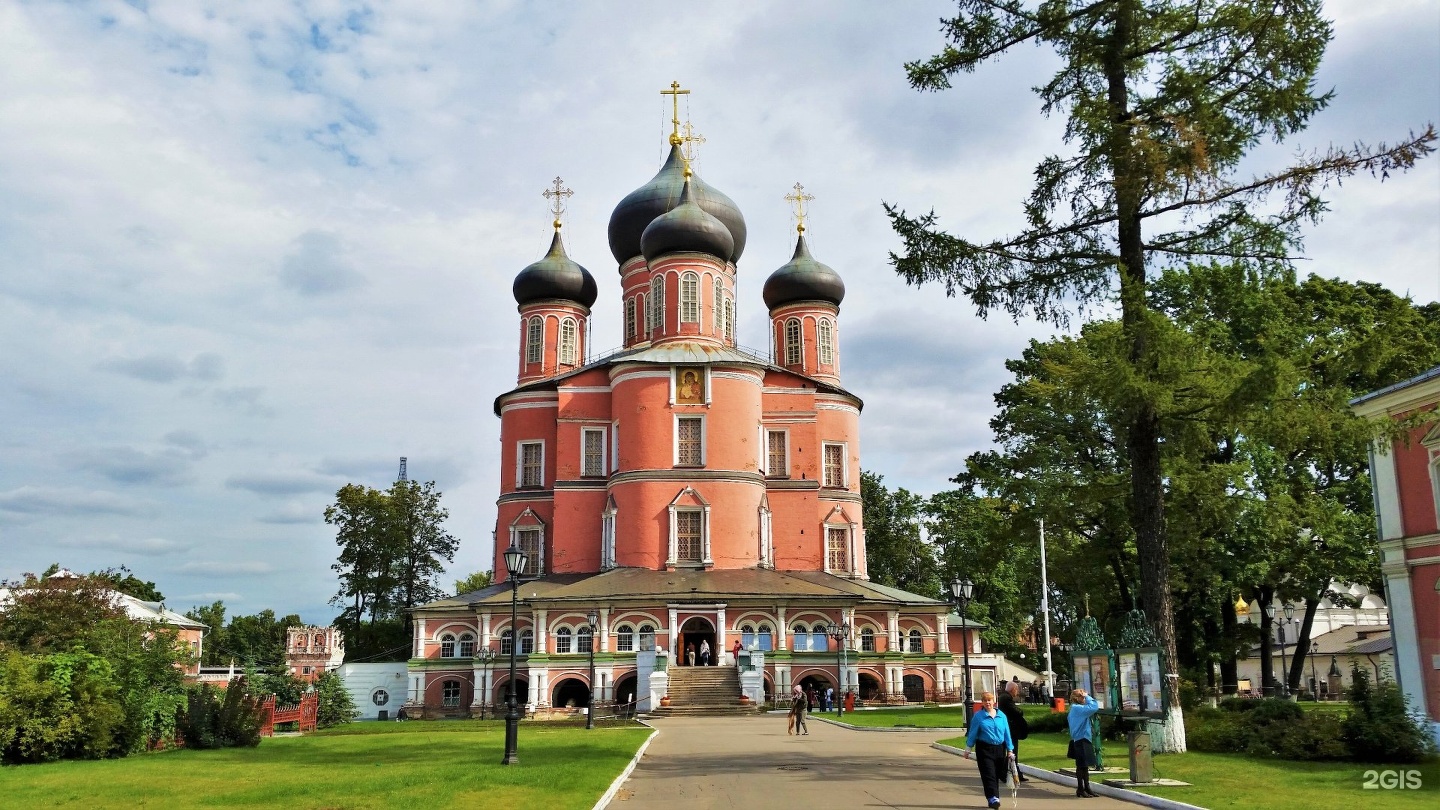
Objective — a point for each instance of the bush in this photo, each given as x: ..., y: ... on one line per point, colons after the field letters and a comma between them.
x: 216, y: 719
x: 335, y: 704
x: 60, y: 706
x: 1379, y: 727
x: 1265, y: 728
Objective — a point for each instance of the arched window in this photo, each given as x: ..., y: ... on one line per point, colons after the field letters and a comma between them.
x: 765, y: 637
x: 819, y: 640
x: 729, y: 321
x: 527, y: 642
x: 917, y: 642
x: 717, y: 303
x: 747, y: 636
x: 450, y: 694
x: 647, y: 637
x: 827, y: 342
x: 630, y: 317
x: 569, y: 339
x: 690, y: 298
x: 625, y: 638
x: 534, y: 340
x: 319, y: 641
x: 657, y: 303
x: 507, y: 642
x: 802, y: 638
x: 867, y: 639
x: 562, y: 640
x: 792, y: 342
x: 447, y: 646
x: 584, y: 639
x: 467, y: 645
x: 642, y: 303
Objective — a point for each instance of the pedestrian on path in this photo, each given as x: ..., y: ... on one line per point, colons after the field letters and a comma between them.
x: 989, y: 737
x: 1082, y: 750
x: 704, y: 653
x: 797, y: 710
x: 829, y: 698
x: 1019, y: 726
x: 689, y: 655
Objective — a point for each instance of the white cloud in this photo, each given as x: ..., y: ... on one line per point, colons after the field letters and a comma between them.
x: 57, y: 501
x: 220, y: 570
x: 144, y: 547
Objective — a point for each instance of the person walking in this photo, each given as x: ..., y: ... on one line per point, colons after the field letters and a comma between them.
x: 829, y: 698
x: 704, y: 653
x: 1019, y: 726
x: 689, y: 655
x: 989, y: 737
x: 735, y: 652
x: 797, y: 710
x: 1082, y: 707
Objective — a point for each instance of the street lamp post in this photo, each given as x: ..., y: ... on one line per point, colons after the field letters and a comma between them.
x: 1285, y: 670
x: 1267, y: 687
x: 487, y: 657
x: 1314, y: 682
x: 841, y: 633
x: 962, y: 590
x: 593, y: 618
x: 514, y: 565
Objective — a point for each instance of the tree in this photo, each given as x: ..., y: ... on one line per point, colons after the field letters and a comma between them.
x: 424, y: 544
x: 124, y: 581
x: 475, y: 582
x: 895, y: 553
x: 336, y: 706
x: 249, y: 641
x: 1163, y: 99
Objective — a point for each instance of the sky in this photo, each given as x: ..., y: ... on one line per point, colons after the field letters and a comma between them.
x: 250, y: 252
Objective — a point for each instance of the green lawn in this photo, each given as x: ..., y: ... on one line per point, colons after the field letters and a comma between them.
x: 412, y: 765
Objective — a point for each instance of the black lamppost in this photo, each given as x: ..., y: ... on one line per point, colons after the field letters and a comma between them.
x: 1268, y: 686
x: 1285, y: 670
x: 486, y: 656
x: 1314, y: 682
x: 839, y: 632
x: 962, y: 590
x: 593, y: 618
x: 514, y: 564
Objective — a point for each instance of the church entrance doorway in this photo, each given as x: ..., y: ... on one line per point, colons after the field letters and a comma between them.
x: 522, y: 693
x: 870, y: 687
x: 571, y: 693
x: 695, y: 632
x: 625, y: 694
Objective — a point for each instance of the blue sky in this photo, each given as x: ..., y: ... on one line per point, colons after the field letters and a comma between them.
x: 252, y: 251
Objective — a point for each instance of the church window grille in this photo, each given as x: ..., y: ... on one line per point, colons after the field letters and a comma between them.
x: 826, y: 334
x: 793, y: 346
x: 835, y: 465
x: 594, y: 452
x: 688, y: 541
x: 717, y: 303
x: 837, y: 548
x: 630, y: 317
x: 528, y: 539
x: 690, y: 298
x: 867, y: 640
x: 447, y: 646
x: 584, y: 639
x: 534, y: 341
x: 467, y: 645
x: 527, y: 642
x: 729, y: 321
x: 917, y: 642
x: 532, y: 464
x: 657, y: 303
x: 562, y: 640
x: 569, y: 338
x: 450, y: 694
x: 777, y: 458
x: 690, y: 441
x: 625, y: 638
x: 507, y: 641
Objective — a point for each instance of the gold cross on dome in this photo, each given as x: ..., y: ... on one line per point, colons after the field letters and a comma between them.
x: 799, y: 198
x: 675, y: 93
x: 690, y: 139
x: 556, y: 196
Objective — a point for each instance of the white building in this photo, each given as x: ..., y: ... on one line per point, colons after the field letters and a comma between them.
x: 378, y: 689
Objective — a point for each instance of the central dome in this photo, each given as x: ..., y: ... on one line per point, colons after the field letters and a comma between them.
x: 643, y: 205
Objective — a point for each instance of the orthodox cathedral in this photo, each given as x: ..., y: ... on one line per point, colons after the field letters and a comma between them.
x: 691, y: 494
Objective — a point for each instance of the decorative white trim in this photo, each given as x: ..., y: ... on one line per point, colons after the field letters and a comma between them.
x: 844, y: 465
x: 835, y: 406
x: 520, y: 464
x: 585, y: 452
x: 520, y: 406
x: 785, y: 470
x: 675, y: 439
x: 635, y: 372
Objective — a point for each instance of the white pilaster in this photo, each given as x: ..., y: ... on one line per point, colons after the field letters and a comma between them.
x: 540, y: 623
x: 782, y: 641
x: 943, y: 633
x: 673, y: 632
x: 485, y: 629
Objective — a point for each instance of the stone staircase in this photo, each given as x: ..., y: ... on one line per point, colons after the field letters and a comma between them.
x: 704, y: 691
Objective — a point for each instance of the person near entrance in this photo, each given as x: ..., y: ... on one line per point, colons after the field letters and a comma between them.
x: 689, y: 655
x: 989, y: 737
x: 704, y: 653
x: 829, y: 698
x: 1019, y: 726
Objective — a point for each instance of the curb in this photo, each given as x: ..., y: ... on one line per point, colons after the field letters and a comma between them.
x: 1132, y: 796
x: 625, y: 774
x: 843, y: 724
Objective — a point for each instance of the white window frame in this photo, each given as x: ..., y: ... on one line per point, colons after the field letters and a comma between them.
x: 825, y: 337
x: 700, y: 417
x: 916, y: 641
x: 867, y: 639
x: 643, y: 303
x: 507, y: 640
x: 615, y: 445
x: 586, y: 470
x: 607, y: 536
x: 569, y: 341
x: 527, y: 642
x: 794, y: 341
x: 630, y: 318
x: 450, y: 693
x: 657, y: 303
x: 447, y: 645
x: 535, y: 563
x: 699, y: 516
x: 717, y: 304
x: 826, y: 481
x: 784, y: 471
x: 698, y: 505
x: 729, y: 320
x: 520, y: 464
x: 562, y: 641
x: 584, y: 639
x: 644, y: 633
x: 690, y: 297
x: 625, y: 638
x: 847, y: 534
x: 535, y: 340
x: 466, y: 645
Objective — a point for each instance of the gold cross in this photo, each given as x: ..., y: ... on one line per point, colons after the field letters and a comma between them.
x: 557, y: 196
x: 799, y: 198
x: 675, y: 93
x: 690, y: 139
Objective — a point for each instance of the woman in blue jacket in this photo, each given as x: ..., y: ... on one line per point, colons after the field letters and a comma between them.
x: 1082, y: 750
x: 989, y: 737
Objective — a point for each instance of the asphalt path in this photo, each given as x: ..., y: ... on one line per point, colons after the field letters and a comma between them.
x: 697, y: 763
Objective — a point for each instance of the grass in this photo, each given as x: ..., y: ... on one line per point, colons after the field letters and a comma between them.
x: 922, y: 717
x: 365, y: 765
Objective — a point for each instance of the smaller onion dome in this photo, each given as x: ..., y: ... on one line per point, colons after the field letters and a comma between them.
x: 687, y: 228
x: 641, y: 206
x: 555, y: 276
x: 803, y: 279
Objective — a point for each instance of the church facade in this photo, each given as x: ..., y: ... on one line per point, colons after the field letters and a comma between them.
x: 695, y: 494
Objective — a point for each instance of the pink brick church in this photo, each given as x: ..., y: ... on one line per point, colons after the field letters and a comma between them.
x: 692, y: 492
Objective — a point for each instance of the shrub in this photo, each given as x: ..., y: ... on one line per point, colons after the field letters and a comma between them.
x: 1265, y: 728
x: 1379, y: 727
x: 215, y: 719
x: 59, y: 706
x: 335, y: 704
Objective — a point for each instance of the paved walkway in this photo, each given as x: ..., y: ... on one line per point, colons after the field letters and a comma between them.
x: 697, y: 763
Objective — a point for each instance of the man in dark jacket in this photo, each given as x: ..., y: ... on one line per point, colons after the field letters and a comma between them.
x: 1019, y: 728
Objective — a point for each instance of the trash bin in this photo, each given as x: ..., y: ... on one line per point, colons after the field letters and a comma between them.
x: 1058, y: 704
x: 1140, y: 764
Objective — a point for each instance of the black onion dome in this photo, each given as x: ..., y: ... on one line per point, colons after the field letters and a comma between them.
x: 686, y: 228
x: 555, y: 276
x: 641, y: 206
x: 803, y: 279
